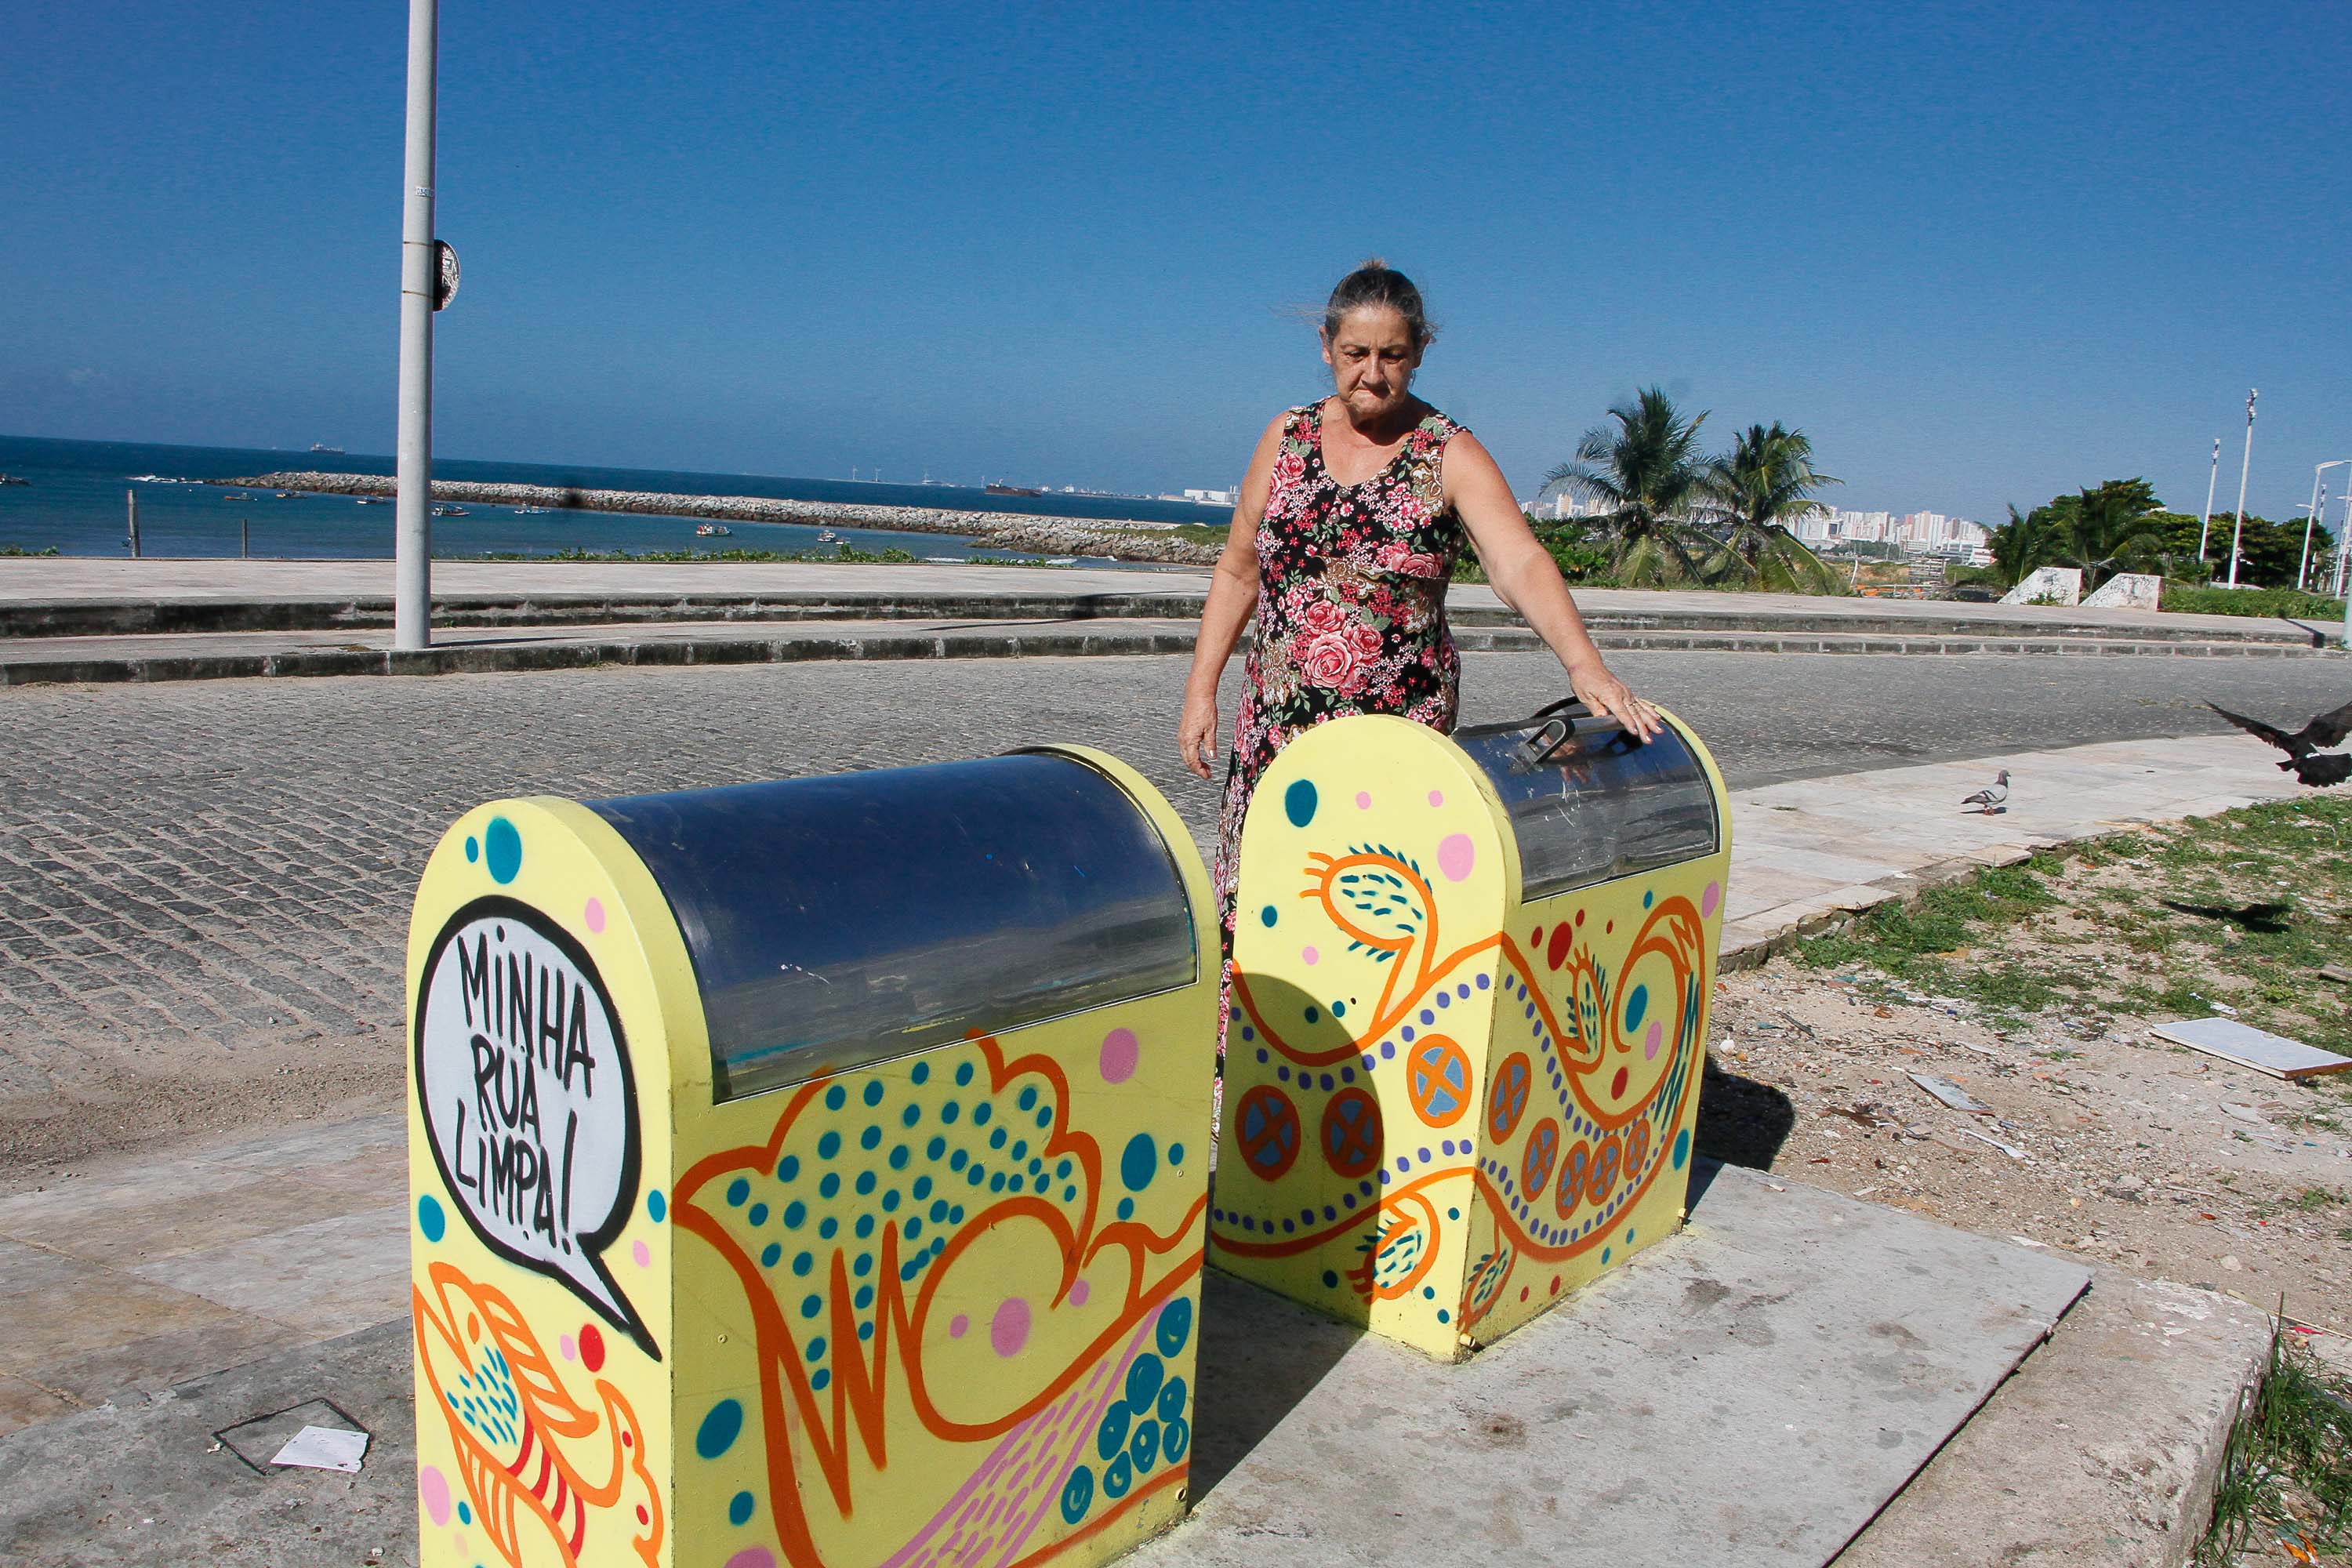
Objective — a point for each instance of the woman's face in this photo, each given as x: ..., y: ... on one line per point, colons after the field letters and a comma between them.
x: 1373, y: 357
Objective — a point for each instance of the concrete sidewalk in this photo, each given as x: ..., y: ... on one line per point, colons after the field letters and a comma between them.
x: 42, y: 596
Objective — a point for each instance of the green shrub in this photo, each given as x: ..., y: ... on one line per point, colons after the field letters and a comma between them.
x: 2262, y: 602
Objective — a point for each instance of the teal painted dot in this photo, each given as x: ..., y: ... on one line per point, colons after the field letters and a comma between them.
x: 828, y: 1227
x: 1338, y: 1009
x: 473, y: 848
x: 1330, y: 1280
x: 1127, y: 1208
x: 1044, y: 1116
x: 922, y: 1073
x: 758, y: 1213
x: 1443, y: 1315
x: 1453, y: 1213
x: 1140, y: 1162
x: 935, y: 1148
x: 1314, y: 1015
x: 465, y: 1514
x: 802, y: 1262
x: 811, y: 1305
x: 738, y: 1509
x: 1298, y: 802
x: 949, y: 1111
x: 865, y: 1182
x: 1077, y: 1494
x: 828, y: 1146
x: 963, y: 1073
x: 1682, y: 1147
x: 795, y: 1212
x: 1175, y: 1155
x: 900, y: 1155
x: 1629, y: 1236
x: 874, y: 1092
x: 1175, y: 1325
x: 836, y: 1097
x: 816, y: 1348
x: 718, y: 1429
x: 1646, y: 898
x: 1429, y: 1292
x: 871, y: 1139
x: 864, y: 1299
x: 770, y: 1253
x: 502, y: 849
x: 656, y: 1205
x: 865, y: 1226
x: 981, y: 1112
x: 890, y: 1201
x: 430, y: 1219
x: 1143, y: 1379
x: 1268, y: 915
x: 1635, y: 1006
x: 922, y: 1188
x: 737, y: 1191
x: 909, y: 1116
x: 1606, y: 1253
x: 1029, y: 1096
x: 821, y: 1379
x: 864, y: 1266
x: 788, y: 1168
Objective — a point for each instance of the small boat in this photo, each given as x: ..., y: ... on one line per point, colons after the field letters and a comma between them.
x: 1005, y: 490
x: 827, y: 536
x: 13, y: 480
x: 237, y: 495
x: 366, y: 500
x: 714, y: 530
x: 321, y: 447
x: 532, y: 510
x: 449, y: 511
x: 284, y: 495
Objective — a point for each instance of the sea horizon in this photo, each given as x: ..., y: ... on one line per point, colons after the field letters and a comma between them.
x: 74, y: 503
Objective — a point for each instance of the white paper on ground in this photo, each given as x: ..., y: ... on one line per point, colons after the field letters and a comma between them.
x: 2249, y: 1047
x: 324, y: 1448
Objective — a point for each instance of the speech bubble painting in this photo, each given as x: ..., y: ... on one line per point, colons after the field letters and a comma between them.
x: 529, y: 1103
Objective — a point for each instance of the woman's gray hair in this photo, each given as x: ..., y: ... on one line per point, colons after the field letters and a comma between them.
x: 1376, y: 283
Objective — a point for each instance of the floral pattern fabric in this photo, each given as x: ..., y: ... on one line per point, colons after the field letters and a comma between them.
x: 1350, y: 607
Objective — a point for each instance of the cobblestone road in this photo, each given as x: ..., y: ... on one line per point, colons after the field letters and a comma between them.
x: 221, y: 871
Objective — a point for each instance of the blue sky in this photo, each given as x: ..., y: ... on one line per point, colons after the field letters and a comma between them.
x: 1980, y: 253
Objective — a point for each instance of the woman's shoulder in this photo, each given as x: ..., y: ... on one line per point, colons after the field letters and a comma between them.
x: 1437, y: 428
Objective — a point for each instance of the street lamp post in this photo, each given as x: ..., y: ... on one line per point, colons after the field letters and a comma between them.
x: 2318, y: 504
x: 2238, y: 533
x: 419, y: 274
x: 2344, y: 543
x: 2206, y: 517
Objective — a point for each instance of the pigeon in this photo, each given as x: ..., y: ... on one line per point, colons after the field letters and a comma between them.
x: 1989, y: 799
x: 2307, y: 757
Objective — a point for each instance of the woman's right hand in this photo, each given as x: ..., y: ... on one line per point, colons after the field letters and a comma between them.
x: 1196, y: 731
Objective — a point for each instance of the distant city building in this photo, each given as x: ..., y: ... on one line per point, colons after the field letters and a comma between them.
x: 1210, y: 498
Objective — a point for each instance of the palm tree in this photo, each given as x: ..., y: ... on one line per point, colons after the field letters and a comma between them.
x: 1766, y: 480
x: 2100, y: 528
x: 1647, y: 470
x: 2020, y: 544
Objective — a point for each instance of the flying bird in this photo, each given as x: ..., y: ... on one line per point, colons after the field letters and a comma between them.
x: 2308, y: 755
x: 1990, y: 798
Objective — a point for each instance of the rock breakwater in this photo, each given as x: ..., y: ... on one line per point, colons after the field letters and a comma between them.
x: 1131, y: 540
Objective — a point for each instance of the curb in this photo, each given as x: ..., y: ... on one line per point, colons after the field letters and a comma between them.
x: 483, y: 658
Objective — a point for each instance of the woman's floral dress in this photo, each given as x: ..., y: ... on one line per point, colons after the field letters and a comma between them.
x: 1350, y: 607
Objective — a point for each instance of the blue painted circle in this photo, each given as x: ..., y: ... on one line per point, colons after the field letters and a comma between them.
x: 1175, y: 1325
x: 1172, y: 1399
x: 1268, y: 915
x: 656, y: 1205
x: 1298, y: 802
x: 1176, y: 1439
x: 718, y: 1429
x: 1635, y: 1006
x: 1118, y: 1475
x: 1111, y: 1437
x: 1143, y: 1381
x: 737, y: 1191
x: 502, y: 849
x: 1140, y: 1162
x: 1144, y: 1446
x: 738, y: 1509
x: 1077, y: 1494
x: 473, y: 848
x: 430, y: 1219
x: 1682, y: 1147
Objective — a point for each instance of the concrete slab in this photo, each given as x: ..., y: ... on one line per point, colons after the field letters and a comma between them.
x: 1749, y: 1393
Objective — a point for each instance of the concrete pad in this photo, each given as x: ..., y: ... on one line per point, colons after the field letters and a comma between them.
x: 354, y: 1267
x: 2103, y: 1449
x: 1750, y: 1392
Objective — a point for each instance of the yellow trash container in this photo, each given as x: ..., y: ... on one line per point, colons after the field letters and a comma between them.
x: 810, y: 1173
x: 1470, y: 993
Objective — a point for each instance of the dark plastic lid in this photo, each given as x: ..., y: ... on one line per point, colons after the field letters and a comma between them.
x: 1600, y: 806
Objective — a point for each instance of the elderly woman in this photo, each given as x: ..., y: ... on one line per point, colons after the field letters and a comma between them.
x: 1350, y: 517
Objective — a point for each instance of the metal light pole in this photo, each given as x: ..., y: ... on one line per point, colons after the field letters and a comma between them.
x: 2318, y: 504
x: 2343, y: 543
x: 419, y: 267
x: 2206, y: 517
x: 2239, y: 532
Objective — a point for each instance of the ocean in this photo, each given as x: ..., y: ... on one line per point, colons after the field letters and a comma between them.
x: 73, y: 503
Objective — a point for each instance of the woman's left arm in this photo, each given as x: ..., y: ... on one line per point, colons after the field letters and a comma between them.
x: 1528, y: 580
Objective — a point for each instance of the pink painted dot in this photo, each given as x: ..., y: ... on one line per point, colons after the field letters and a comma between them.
x: 1651, y: 1042
x: 1121, y: 1052
x: 1363, y: 800
x: 571, y: 1348
x: 1712, y: 897
x: 594, y: 914
x: 1309, y: 956
x: 1079, y: 1292
x: 753, y: 1557
x: 1437, y: 797
x: 1009, y: 1330
x: 433, y: 1487
x: 1455, y: 856
x: 643, y: 1253
x: 959, y: 1326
